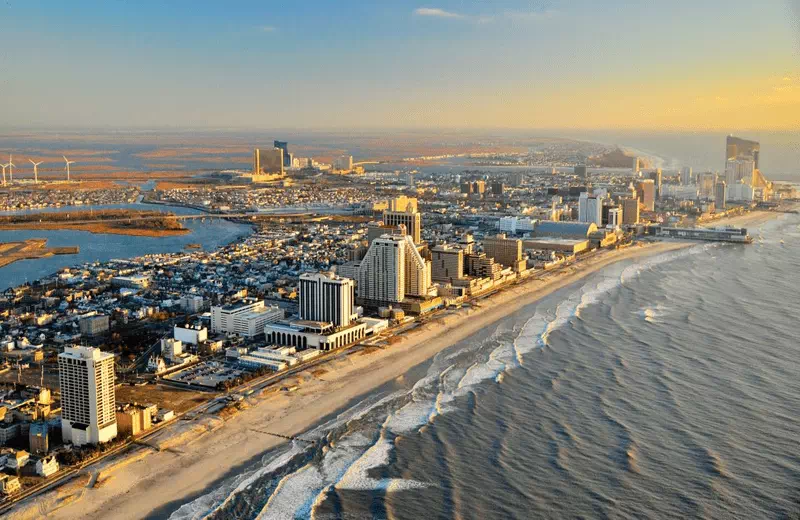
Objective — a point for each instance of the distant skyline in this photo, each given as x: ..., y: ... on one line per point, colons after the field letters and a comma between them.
x: 583, y: 64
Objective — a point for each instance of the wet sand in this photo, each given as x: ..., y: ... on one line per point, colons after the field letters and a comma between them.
x: 162, y: 481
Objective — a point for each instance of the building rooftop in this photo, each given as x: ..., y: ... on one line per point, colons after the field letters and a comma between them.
x: 564, y: 229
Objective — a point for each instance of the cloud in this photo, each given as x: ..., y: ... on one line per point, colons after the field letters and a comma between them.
x: 436, y: 12
x: 507, y: 15
x: 268, y: 29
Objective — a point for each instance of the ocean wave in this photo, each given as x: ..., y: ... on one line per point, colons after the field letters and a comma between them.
x: 348, y: 455
x: 379, y: 454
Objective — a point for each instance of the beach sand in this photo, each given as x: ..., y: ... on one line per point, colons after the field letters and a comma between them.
x: 164, y: 480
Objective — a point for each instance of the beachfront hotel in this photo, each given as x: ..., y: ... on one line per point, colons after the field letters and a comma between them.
x: 328, y: 298
x: 86, y: 377
x: 393, y: 269
x: 327, y: 316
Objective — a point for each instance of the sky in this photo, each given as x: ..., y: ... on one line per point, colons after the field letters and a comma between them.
x: 722, y: 65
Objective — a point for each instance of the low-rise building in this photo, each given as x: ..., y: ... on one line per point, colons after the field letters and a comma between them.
x: 46, y: 466
x: 94, y: 325
x: 562, y: 245
x: 39, y: 438
x: 133, y: 419
x: 192, y: 334
x: 9, y: 484
x: 131, y: 282
x: 17, y: 460
x: 304, y: 334
x: 246, y: 318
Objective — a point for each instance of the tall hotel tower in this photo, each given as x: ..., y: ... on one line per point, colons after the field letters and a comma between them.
x: 328, y: 298
x: 86, y: 376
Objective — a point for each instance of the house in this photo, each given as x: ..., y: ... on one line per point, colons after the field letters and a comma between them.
x: 46, y: 466
x: 9, y: 484
x: 17, y: 460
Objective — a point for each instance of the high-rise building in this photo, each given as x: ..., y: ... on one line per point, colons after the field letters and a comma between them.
x: 343, y: 163
x: 646, y: 191
x: 614, y: 217
x: 657, y: 177
x: 707, y: 182
x: 581, y: 172
x: 268, y: 162
x: 686, y: 176
x: 590, y: 209
x: 403, y: 211
x: 474, y: 187
x: 630, y: 211
x: 515, y: 179
x: 740, y: 170
x: 381, y: 272
x: 328, y: 298
x: 497, y: 189
x: 86, y: 377
x: 393, y: 269
x: 720, y: 195
x: 740, y: 192
x: 287, y: 157
x: 636, y: 165
x: 482, y: 266
x: 737, y: 148
x: 506, y: 251
x: 447, y: 263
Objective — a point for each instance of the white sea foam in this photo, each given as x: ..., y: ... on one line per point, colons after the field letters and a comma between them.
x: 347, y: 463
x: 297, y: 493
x: 357, y: 476
x: 206, y: 504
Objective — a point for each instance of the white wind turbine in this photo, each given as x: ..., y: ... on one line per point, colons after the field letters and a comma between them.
x: 67, y: 167
x: 11, y: 167
x: 35, y: 170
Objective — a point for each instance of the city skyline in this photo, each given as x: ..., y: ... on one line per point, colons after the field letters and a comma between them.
x: 509, y: 64
x: 520, y: 258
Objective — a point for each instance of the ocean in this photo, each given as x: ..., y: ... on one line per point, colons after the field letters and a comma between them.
x: 659, y: 388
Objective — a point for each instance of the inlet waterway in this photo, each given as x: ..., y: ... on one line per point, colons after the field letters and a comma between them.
x: 103, y: 247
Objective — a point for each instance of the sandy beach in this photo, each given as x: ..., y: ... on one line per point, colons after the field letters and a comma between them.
x: 160, y: 481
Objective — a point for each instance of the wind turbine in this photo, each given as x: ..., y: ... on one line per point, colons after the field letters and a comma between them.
x: 67, y: 168
x: 4, y: 166
x: 11, y: 167
x: 35, y: 171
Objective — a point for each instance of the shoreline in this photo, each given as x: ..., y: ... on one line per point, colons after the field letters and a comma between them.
x: 211, y: 448
x: 197, y: 455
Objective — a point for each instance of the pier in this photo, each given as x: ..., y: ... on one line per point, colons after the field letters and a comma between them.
x: 719, y: 234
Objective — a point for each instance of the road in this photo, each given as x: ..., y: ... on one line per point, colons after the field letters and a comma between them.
x: 263, y: 382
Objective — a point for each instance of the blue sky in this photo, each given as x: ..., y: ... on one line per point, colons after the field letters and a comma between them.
x: 520, y: 64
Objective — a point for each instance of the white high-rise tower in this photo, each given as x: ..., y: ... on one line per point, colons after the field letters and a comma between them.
x: 328, y: 298
x: 86, y: 377
x: 393, y: 269
x: 590, y: 209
